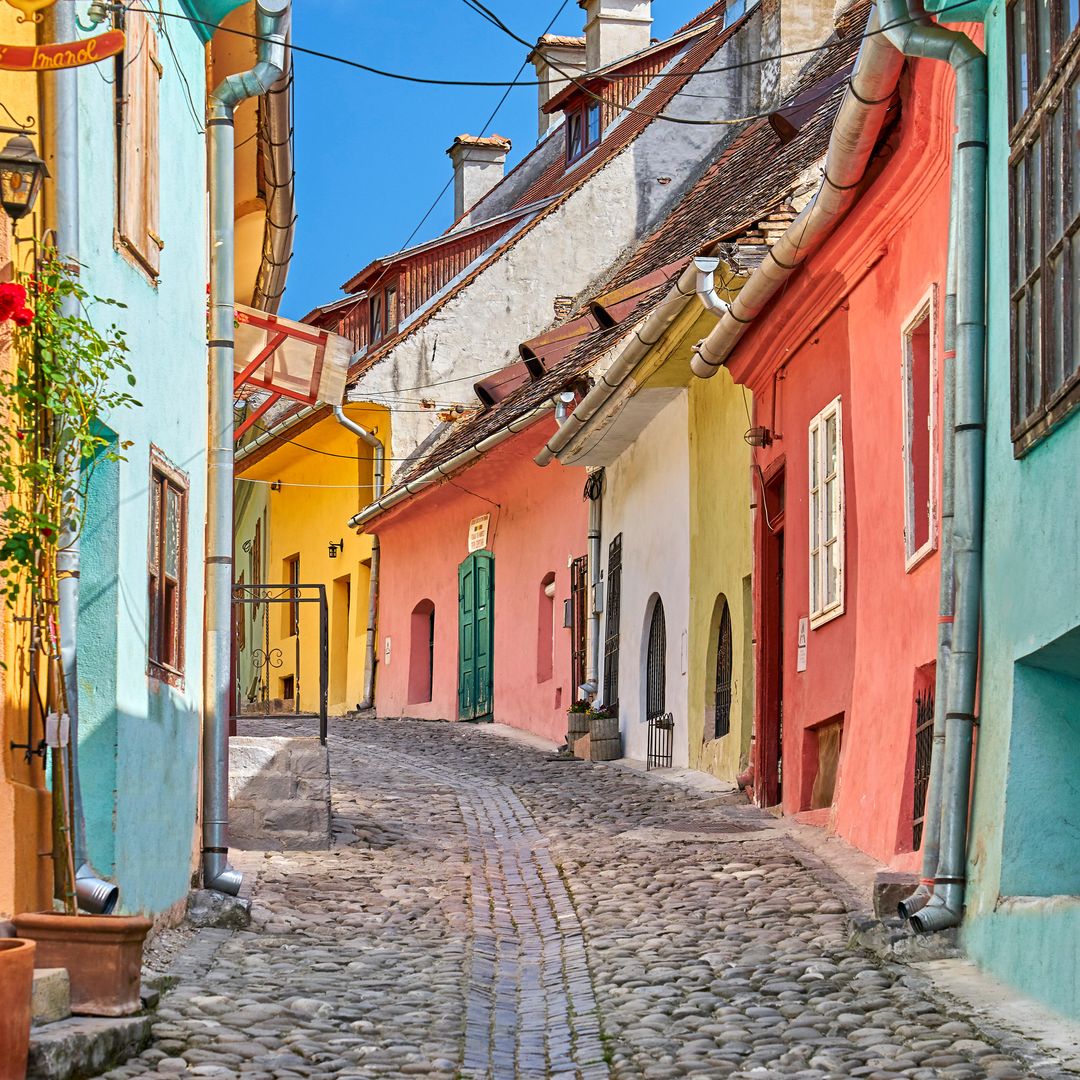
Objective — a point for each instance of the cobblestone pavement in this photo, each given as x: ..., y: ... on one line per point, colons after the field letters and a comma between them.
x: 488, y: 913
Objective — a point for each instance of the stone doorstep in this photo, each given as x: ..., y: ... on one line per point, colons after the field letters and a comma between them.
x: 51, y: 996
x: 85, y: 1046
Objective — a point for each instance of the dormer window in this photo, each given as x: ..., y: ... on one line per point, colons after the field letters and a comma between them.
x: 582, y: 130
x: 375, y: 323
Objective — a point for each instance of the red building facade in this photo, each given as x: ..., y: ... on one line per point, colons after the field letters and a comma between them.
x: 846, y: 373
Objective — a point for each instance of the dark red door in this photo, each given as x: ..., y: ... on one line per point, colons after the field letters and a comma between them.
x: 768, y: 765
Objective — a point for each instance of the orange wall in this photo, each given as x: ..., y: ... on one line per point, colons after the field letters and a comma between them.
x: 538, y: 525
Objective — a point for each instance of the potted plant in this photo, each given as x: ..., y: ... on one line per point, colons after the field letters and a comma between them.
x: 16, y: 986
x: 67, y: 374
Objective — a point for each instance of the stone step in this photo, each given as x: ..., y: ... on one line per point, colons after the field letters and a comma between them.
x: 51, y: 997
x: 85, y: 1046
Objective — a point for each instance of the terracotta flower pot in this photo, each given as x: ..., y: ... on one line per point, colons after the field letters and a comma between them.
x: 16, y: 985
x: 102, y: 954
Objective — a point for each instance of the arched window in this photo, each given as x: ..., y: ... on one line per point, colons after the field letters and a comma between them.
x: 656, y: 664
x: 545, y: 630
x: 421, y: 652
x: 723, y: 660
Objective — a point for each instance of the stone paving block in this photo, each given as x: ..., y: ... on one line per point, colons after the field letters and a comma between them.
x: 51, y: 996
x: 84, y: 1046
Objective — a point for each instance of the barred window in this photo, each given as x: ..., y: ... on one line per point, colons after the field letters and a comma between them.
x: 1044, y: 186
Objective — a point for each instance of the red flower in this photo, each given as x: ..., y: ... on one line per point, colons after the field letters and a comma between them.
x: 12, y: 298
x: 23, y: 317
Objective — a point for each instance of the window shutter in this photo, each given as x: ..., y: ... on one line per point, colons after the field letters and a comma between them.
x: 139, y: 205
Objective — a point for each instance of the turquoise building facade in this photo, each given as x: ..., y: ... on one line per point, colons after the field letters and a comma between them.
x: 140, y: 720
x: 1022, y: 918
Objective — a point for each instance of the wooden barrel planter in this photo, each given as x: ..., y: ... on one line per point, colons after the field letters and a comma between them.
x: 605, y: 749
x: 577, y: 724
x: 604, y: 727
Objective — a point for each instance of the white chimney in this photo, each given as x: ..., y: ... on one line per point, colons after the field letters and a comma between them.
x: 803, y: 25
x: 479, y: 164
x: 568, y: 55
x: 614, y: 29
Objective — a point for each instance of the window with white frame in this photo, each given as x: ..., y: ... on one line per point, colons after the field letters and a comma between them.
x: 919, y: 373
x: 826, y: 515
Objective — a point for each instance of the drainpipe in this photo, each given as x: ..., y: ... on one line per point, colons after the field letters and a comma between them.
x: 594, y: 492
x: 945, y: 908
x: 855, y: 132
x: 272, y: 17
x: 932, y: 816
x: 93, y: 894
x: 379, y: 480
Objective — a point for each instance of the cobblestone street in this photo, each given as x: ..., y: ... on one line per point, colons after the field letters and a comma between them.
x: 486, y: 912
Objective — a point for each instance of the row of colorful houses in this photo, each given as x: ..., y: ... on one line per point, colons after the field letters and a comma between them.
x: 793, y: 557
x: 126, y: 204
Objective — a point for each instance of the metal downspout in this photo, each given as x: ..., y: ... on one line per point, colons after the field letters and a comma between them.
x: 596, y: 511
x: 931, y: 843
x: 945, y: 908
x: 379, y: 481
x: 272, y: 27
x: 92, y: 893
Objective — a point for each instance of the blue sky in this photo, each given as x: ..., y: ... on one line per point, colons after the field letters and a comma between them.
x: 371, y: 151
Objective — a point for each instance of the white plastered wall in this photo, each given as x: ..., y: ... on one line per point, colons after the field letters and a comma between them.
x: 647, y: 499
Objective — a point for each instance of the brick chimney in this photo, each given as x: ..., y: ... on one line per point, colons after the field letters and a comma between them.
x: 479, y: 164
x: 614, y: 29
x: 568, y: 55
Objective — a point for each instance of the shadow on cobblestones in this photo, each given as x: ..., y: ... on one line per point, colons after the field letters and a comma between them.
x: 486, y: 913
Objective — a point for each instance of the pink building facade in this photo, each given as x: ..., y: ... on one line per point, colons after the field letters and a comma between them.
x: 535, y: 528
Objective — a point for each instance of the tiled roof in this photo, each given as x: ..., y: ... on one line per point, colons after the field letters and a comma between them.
x: 563, y: 40
x: 559, y: 180
x: 744, y: 195
x: 493, y: 142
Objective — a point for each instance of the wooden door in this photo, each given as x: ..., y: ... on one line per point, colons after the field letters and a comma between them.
x: 476, y: 635
x: 768, y: 770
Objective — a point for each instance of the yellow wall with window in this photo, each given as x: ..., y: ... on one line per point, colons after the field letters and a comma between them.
x: 326, y: 476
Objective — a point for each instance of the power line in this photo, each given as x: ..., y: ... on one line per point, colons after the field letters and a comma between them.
x: 427, y: 81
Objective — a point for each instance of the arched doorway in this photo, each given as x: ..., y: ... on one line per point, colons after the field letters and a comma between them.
x: 722, y: 673
x: 656, y: 664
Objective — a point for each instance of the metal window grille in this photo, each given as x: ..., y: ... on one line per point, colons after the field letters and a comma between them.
x: 611, y: 633
x: 579, y: 597
x: 924, y: 743
x: 656, y: 670
x: 722, y: 708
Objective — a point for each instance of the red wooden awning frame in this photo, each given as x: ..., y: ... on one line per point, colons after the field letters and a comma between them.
x: 281, y: 332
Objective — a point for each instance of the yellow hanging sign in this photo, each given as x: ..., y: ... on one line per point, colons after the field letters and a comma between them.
x: 31, y: 8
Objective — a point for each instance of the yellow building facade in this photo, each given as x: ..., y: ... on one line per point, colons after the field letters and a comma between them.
x: 25, y: 807
x: 293, y: 507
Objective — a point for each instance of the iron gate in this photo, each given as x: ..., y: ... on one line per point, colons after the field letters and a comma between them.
x: 579, y: 597
x: 611, y: 629
x: 924, y: 747
x: 266, y: 660
x: 656, y: 669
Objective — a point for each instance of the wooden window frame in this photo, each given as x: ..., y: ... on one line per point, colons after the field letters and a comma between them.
x: 162, y: 665
x: 390, y: 309
x: 818, y: 580
x: 576, y: 149
x: 375, y: 319
x: 1035, y: 410
x: 138, y: 159
x: 926, y: 310
x: 292, y: 611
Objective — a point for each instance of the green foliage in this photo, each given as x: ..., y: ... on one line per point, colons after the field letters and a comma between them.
x: 66, y: 377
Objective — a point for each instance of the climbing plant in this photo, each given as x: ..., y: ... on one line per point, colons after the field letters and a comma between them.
x: 65, y: 375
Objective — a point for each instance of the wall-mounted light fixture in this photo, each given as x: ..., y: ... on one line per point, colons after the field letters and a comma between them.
x: 759, y: 436
x: 335, y: 548
x: 22, y: 173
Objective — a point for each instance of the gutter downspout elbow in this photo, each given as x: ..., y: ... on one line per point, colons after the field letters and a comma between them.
x: 272, y: 18
x: 379, y: 482
x: 706, y: 287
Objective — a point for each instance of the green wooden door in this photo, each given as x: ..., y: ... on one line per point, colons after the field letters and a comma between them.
x: 476, y: 635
